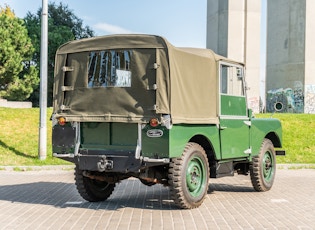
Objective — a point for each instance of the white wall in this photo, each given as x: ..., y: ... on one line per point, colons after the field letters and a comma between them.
x: 236, y: 35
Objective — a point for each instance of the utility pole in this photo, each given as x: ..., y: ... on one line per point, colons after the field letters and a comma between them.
x: 42, y: 147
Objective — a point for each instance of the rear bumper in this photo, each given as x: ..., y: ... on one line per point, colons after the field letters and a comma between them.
x: 122, y: 163
x: 111, y: 161
x: 101, y: 161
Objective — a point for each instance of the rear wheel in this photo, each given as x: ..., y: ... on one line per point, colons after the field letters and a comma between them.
x: 263, y: 168
x: 90, y: 189
x: 189, y: 177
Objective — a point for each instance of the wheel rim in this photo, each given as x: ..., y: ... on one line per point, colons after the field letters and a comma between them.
x: 195, y: 176
x: 268, y: 166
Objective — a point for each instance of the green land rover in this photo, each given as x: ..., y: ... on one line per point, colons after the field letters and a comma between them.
x: 136, y: 106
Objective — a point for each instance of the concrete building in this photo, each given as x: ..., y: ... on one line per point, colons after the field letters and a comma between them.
x: 233, y: 30
x: 290, y: 71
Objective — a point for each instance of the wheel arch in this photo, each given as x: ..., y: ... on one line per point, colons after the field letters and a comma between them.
x: 206, y: 144
x: 274, y: 138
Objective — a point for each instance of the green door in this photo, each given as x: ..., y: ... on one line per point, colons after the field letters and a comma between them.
x: 234, y: 120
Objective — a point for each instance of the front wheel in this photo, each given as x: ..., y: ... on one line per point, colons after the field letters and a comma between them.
x: 90, y: 189
x: 189, y: 177
x: 263, y: 168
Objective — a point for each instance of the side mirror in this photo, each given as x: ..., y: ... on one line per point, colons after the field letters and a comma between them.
x: 250, y: 113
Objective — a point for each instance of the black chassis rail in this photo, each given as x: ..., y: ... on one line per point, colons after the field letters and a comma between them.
x: 110, y: 161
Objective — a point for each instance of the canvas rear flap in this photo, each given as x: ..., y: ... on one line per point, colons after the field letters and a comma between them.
x: 131, y: 78
x: 101, y: 97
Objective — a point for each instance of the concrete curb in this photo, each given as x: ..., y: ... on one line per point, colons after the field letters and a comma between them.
x: 37, y: 168
x: 295, y: 166
x: 71, y: 167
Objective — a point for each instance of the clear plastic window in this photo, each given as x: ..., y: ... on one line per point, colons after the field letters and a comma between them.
x: 109, y: 68
x: 231, y: 82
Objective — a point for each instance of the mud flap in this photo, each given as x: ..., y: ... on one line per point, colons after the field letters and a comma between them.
x: 63, y: 137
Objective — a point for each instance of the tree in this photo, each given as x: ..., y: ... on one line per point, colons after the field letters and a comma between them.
x: 18, y: 76
x: 63, y: 26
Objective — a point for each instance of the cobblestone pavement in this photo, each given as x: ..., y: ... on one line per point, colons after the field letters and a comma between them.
x: 49, y: 200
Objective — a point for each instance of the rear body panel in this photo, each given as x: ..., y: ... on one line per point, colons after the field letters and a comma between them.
x: 108, y: 136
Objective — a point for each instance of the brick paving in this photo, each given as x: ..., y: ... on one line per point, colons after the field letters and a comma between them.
x: 49, y: 200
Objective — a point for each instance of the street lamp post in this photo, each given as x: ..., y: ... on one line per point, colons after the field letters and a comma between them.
x: 42, y: 148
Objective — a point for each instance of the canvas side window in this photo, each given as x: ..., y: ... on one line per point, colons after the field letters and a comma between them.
x: 109, y: 68
x: 231, y: 80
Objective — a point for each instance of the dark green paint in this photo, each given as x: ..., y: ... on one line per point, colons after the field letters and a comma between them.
x: 234, y: 135
x: 267, y: 166
x: 110, y: 136
x: 229, y: 140
x: 233, y: 105
x: 263, y: 127
x: 155, y: 147
x: 180, y: 135
x: 196, y: 176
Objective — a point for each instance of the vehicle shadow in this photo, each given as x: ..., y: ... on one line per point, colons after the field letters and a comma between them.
x: 220, y: 187
x: 129, y: 193
x: 65, y: 195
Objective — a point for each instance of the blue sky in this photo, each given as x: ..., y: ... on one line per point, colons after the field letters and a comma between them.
x: 182, y: 22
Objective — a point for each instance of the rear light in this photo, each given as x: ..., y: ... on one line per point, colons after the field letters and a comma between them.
x: 154, y: 122
x: 62, y: 121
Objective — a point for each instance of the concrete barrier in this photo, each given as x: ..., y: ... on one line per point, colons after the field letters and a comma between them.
x: 15, y: 104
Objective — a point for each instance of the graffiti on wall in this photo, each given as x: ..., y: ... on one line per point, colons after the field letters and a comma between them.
x: 292, y: 99
x: 298, y: 97
x: 281, y: 95
x: 309, y: 99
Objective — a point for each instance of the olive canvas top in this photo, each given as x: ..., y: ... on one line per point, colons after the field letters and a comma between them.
x: 132, y: 78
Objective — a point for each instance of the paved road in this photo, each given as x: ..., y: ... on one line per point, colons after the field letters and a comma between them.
x: 49, y: 200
